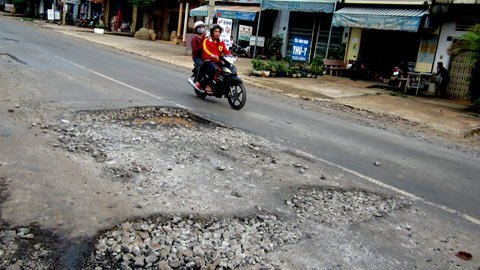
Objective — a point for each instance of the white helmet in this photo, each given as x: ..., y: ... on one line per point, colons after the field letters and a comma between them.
x: 198, y: 24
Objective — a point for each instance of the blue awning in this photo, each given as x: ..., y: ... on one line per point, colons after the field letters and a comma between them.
x: 244, y: 13
x: 200, y: 11
x: 325, y: 6
x: 380, y: 18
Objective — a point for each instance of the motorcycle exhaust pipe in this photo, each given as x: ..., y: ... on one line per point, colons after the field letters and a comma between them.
x: 194, y: 86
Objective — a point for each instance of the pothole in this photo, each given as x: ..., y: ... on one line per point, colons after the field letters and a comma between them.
x: 191, y: 243
x: 152, y: 150
x: 337, y: 207
x: 10, y: 59
x: 144, y: 116
x: 28, y: 248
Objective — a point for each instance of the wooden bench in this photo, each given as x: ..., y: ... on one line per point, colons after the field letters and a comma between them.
x: 332, y: 65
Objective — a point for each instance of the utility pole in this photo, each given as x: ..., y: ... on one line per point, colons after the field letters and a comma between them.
x: 211, y: 11
x: 64, y: 13
x: 258, y: 28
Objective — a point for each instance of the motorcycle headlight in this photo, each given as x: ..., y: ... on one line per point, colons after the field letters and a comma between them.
x: 227, y: 70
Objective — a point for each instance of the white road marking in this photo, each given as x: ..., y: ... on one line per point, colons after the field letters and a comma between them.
x: 366, y: 178
x: 121, y: 83
x: 394, y: 189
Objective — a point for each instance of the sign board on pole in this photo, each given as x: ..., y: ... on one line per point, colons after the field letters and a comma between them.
x: 245, y: 32
x: 300, y: 49
x: 57, y: 15
x: 50, y: 15
x: 226, y: 24
x: 260, y: 41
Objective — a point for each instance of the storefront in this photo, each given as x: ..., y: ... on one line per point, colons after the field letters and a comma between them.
x: 120, y: 18
x: 308, y: 21
x: 382, y: 37
x: 244, y: 19
x: 91, y: 9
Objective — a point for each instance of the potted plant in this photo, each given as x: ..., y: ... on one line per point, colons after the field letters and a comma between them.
x: 266, y: 71
x: 273, y: 66
x: 258, y: 67
x: 273, y: 47
x: 282, y: 69
x: 315, y: 70
x: 295, y: 72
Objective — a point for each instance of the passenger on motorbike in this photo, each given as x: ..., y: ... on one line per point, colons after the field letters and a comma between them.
x: 213, y: 48
x: 197, y: 49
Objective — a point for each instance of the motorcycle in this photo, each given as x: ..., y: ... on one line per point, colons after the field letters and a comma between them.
x: 227, y: 84
x: 239, y: 51
x: 399, y: 75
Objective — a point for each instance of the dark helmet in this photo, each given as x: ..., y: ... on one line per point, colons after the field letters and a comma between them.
x: 213, y: 27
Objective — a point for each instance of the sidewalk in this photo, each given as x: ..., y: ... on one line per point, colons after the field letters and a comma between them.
x: 442, y: 115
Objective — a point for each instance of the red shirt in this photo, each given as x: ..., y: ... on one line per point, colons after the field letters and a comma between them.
x: 213, y: 47
x: 197, y: 43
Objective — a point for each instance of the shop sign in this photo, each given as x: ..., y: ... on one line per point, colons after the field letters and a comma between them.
x: 237, y: 15
x: 260, y: 41
x: 50, y: 15
x: 226, y: 24
x: 245, y: 32
x: 300, y: 49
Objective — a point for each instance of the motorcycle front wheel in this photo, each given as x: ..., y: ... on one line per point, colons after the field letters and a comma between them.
x: 237, y: 96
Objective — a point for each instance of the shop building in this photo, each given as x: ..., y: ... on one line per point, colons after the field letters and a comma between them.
x: 382, y: 35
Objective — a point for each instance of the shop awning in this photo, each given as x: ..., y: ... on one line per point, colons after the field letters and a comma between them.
x: 325, y: 6
x: 200, y: 11
x: 380, y: 18
x: 458, y: 1
x: 389, y: 2
x: 236, y: 12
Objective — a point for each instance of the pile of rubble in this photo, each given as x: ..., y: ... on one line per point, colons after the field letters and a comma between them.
x: 337, y: 207
x: 160, y: 243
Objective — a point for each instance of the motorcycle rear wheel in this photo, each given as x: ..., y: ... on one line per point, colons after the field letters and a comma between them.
x: 237, y: 96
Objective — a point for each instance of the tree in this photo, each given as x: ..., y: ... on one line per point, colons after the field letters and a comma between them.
x: 470, y: 42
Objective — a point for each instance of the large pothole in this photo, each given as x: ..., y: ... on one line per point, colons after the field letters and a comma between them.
x: 191, y: 243
x: 336, y: 207
x: 165, y: 155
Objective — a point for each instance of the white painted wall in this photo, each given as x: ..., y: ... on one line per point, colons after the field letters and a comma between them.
x: 280, y: 27
x: 447, y: 30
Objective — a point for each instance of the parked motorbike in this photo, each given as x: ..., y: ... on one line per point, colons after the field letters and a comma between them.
x: 90, y: 23
x: 399, y: 74
x: 239, y: 51
x: 227, y: 84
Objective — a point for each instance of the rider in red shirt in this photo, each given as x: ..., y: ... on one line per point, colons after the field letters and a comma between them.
x: 213, y: 48
x: 197, y: 50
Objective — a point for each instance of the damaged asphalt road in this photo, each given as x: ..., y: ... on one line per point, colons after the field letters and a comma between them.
x: 96, y: 177
x: 167, y: 189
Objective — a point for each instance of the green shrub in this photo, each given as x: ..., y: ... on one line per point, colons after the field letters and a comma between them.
x: 258, y: 64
